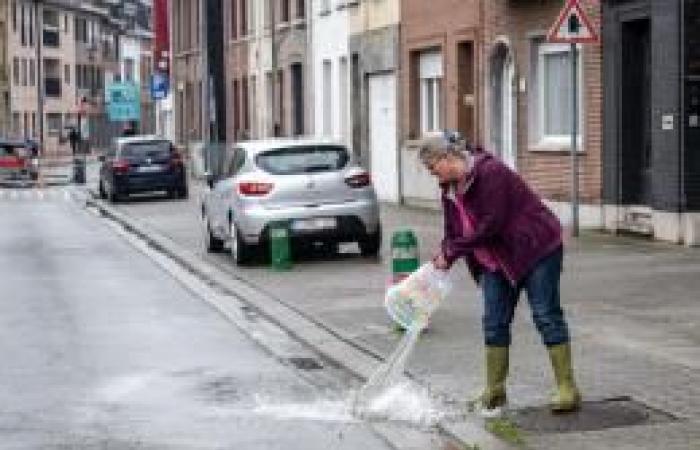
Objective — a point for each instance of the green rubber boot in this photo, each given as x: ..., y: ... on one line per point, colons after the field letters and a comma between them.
x: 494, y: 395
x: 567, y: 397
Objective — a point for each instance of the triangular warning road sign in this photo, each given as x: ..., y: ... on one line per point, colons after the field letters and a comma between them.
x: 572, y: 26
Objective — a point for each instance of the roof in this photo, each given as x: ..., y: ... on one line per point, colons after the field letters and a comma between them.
x: 273, y: 143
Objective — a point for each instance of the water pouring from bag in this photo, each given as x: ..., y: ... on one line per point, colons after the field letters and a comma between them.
x: 410, y: 304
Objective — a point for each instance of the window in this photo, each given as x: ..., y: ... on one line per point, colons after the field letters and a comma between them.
x: 24, y: 72
x: 303, y: 159
x: 50, y: 32
x: 66, y: 73
x: 234, y: 19
x: 32, y: 73
x: 430, y: 68
x: 327, y: 98
x: 15, y: 71
x: 14, y: 16
x: 301, y: 9
x: 128, y: 69
x: 325, y: 7
x: 244, y: 17
x: 554, y: 114
x: 284, y: 13
x: 65, y: 23
x: 31, y: 26
x: 23, y: 37
x: 343, y: 94
x: 34, y: 124
x: 53, y: 123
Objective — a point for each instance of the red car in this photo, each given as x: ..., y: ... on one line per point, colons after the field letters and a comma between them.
x: 15, y: 161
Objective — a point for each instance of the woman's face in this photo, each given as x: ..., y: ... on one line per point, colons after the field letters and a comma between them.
x: 443, y: 168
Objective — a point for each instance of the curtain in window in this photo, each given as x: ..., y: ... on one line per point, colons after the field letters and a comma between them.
x: 557, y: 94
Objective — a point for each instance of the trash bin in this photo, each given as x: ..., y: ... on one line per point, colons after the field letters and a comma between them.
x: 404, y: 254
x: 79, y: 171
x: 280, y: 247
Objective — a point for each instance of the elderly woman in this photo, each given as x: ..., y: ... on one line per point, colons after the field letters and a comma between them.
x: 511, y: 242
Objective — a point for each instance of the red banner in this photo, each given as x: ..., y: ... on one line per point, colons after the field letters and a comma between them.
x: 161, y: 37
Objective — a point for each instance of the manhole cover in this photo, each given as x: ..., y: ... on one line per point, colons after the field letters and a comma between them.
x: 593, y: 415
x: 305, y: 363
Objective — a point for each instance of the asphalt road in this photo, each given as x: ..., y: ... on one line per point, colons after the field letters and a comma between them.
x: 102, y: 349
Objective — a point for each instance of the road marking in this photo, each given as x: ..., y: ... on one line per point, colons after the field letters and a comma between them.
x: 14, y: 195
x: 66, y: 195
x: 40, y: 194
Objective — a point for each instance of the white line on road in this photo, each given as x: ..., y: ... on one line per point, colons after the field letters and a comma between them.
x: 40, y: 194
x: 14, y: 195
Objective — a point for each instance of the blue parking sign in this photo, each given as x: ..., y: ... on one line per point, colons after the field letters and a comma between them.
x: 160, y: 85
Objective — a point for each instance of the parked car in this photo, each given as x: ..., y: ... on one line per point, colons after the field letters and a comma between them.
x: 138, y: 164
x: 310, y: 185
x: 15, y: 161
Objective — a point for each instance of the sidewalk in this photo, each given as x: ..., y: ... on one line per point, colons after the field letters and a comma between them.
x: 633, y: 308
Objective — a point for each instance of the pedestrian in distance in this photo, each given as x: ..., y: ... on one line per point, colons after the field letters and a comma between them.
x: 511, y: 242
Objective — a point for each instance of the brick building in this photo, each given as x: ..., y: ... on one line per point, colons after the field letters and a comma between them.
x: 440, y: 67
x: 527, y: 102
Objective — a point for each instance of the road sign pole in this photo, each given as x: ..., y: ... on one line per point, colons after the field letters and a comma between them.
x: 574, y: 143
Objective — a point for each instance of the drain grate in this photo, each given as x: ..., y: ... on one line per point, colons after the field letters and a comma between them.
x: 594, y: 415
x: 305, y: 363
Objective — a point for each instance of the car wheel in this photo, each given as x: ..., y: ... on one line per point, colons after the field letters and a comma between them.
x: 212, y: 244
x: 241, y: 252
x: 183, y: 192
x: 371, y: 244
x: 101, y: 191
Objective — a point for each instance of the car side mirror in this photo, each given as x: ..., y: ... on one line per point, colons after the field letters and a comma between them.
x: 210, y: 179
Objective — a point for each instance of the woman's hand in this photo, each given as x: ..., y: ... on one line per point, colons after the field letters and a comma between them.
x: 440, y: 262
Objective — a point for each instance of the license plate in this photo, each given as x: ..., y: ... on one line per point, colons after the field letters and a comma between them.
x: 320, y: 223
x: 149, y: 169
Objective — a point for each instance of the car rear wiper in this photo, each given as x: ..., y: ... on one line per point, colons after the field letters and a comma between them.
x: 318, y: 168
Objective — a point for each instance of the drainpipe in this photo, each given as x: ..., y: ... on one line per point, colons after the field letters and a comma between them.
x: 39, y: 77
x: 681, y: 127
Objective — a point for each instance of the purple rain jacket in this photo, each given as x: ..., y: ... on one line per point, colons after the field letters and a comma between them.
x: 510, y: 221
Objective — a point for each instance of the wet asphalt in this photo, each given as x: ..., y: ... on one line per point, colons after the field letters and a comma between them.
x: 102, y: 349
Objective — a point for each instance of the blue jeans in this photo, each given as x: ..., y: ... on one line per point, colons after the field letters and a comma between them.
x: 542, y: 286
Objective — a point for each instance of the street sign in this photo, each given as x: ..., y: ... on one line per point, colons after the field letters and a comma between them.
x: 123, y: 102
x: 572, y: 26
x: 160, y: 85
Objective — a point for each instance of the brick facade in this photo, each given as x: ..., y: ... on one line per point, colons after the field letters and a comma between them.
x: 519, y: 23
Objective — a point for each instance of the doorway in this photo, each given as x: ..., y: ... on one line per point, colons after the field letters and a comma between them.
x: 635, y: 113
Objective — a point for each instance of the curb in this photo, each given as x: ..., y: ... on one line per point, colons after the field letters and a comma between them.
x: 329, y: 342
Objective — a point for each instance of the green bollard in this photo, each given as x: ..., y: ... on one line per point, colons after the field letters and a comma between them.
x: 280, y: 248
x: 404, y: 254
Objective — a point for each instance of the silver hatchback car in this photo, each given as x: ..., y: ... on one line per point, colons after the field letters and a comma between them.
x: 310, y: 185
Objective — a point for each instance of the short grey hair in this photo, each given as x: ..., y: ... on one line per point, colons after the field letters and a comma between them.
x: 433, y: 148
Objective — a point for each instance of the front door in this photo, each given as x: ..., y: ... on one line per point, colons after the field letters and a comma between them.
x: 635, y: 113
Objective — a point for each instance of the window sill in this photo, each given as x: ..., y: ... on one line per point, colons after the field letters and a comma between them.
x: 554, y: 147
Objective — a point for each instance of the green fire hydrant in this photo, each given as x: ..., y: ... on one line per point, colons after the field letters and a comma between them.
x: 280, y: 247
x: 404, y: 254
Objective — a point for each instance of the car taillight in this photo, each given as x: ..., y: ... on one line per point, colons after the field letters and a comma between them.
x: 254, y: 189
x: 120, y: 166
x: 359, y: 180
x: 175, y: 159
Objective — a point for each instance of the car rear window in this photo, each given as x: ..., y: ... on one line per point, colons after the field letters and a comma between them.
x: 146, y: 149
x: 307, y: 159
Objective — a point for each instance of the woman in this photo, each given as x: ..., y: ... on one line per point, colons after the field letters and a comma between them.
x: 511, y: 242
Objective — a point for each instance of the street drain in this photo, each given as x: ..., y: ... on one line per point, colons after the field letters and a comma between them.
x: 594, y: 415
x: 305, y: 363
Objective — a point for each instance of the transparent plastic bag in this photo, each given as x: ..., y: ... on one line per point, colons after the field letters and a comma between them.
x: 411, y: 302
